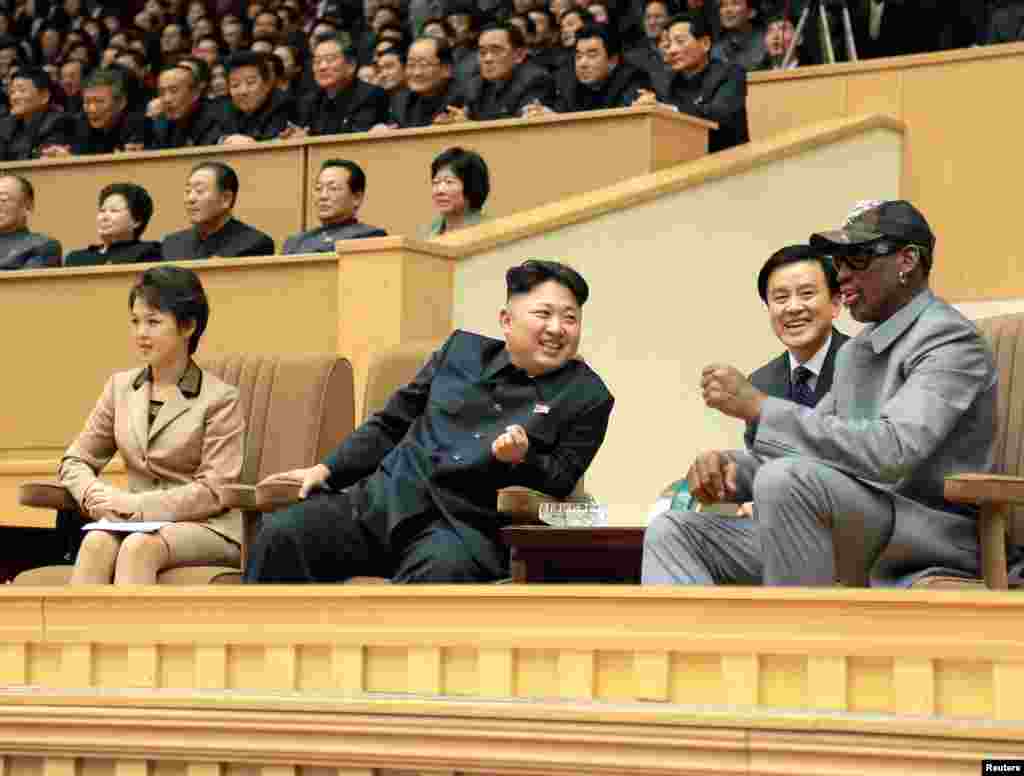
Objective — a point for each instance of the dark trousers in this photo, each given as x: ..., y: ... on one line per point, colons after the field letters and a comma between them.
x: 322, y: 539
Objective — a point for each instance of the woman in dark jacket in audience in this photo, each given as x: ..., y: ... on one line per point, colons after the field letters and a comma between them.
x: 124, y: 213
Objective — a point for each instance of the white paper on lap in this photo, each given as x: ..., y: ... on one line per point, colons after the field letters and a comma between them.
x: 150, y: 526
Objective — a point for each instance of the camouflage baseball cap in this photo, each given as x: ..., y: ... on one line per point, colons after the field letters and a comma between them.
x: 896, y: 220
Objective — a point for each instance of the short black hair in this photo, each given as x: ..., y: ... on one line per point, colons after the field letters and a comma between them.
x: 255, y: 59
x: 226, y: 177
x: 442, y: 47
x: 793, y: 254
x: 699, y: 26
x: 40, y: 78
x: 606, y: 33
x: 177, y: 291
x: 140, y: 204
x: 391, y: 51
x: 356, y: 176
x: 524, y: 277
x: 516, y: 38
x: 113, y: 76
x: 470, y: 168
x: 585, y: 16
x: 201, y: 65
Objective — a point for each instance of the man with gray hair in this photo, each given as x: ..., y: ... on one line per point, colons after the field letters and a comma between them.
x: 20, y: 248
x: 105, y: 126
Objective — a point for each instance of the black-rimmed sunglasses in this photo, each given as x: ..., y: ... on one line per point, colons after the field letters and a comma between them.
x: 865, y: 255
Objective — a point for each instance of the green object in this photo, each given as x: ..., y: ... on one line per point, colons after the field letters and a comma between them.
x: 679, y: 492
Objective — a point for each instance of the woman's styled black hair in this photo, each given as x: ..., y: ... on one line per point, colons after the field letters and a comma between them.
x: 177, y: 291
x: 470, y: 168
x: 140, y: 204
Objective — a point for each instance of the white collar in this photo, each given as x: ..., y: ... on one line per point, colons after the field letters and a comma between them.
x: 815, y: 362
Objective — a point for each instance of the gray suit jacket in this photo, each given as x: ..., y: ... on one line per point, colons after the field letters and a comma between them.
x: 775, y: 379
x: 322, y: 239
x: 29, y: 250
x: 913, y: 400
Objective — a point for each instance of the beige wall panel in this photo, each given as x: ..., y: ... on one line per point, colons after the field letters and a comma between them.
x: 270, y: 175
x: 964, y: 689
x: 460, y: 669
x: 782, y: 105
x: 648, y: 332
x: 387, y: 669
x: 314, y: 666
x: 177, y: 666
x: 695, y: 678
x: 783, y: 681
x: 879, y: 92
x: 520, y: 157
x: 614, y: 675
x: 965, y: 171
x: 25, y: 766
x: 536, y: 673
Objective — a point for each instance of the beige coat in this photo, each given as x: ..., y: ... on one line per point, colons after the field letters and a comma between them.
x: 195, y: 445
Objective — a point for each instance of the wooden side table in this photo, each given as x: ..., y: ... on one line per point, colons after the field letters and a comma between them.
x: 542, y: 553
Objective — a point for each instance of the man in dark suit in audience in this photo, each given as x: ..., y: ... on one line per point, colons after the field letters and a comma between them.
x: 33, y: 124
x: 106, y: 125
x: 210, y: 197
x: 190, y: 119
x: 339, y: 192
x: 20, y: 248
x: 257, y: 110
x: 412, y: 493
x: 428, y: 78
x: 800, y: 288
x: 507, y: 82
x: 340, y: 103
x: 602, y: 79
x: 700, y: 87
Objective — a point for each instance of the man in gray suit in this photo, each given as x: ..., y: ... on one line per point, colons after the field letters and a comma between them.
x: 339, y: 192
x: 20, y: 248
x: 913, y: 400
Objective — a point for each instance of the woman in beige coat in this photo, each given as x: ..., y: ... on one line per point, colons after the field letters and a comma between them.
x: 181, y: 433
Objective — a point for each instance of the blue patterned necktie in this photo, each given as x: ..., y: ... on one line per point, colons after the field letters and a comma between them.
x: 802, y: 393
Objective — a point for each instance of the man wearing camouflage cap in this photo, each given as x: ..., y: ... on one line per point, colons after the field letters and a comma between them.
x: 852, y: 489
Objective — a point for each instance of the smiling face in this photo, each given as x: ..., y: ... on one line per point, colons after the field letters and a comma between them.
x: 542, y: 328
x: 114, y: 220
x: 331, y: 70
x: 157, y: 335
x: 593, y: 65
x: 424, y: 72
x: 874, y: 293
x: 248, y: 88
x: 801, y: 307
x: 448, y: 193
x: 26, y: 98
x: 390, y: 72
x: 102, y: 108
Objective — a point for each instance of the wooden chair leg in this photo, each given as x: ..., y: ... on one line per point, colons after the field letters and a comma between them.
x: 992, y: 541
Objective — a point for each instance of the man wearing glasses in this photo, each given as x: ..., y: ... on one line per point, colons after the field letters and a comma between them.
x: 852, y: 489
x: 338, y: 195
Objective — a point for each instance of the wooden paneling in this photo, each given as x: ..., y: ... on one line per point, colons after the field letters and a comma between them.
x: 961, y: 162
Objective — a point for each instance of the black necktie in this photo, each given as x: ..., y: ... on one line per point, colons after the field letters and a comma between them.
x: 802, y: 393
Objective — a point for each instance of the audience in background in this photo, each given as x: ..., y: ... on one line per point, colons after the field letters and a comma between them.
x: 211, y: 194
x: 390, y: 64
x: 20, y: 248
x: 602, y: 79
x: 700, y: 87
x: 339, y: 193
x: 123, y: 215
x: 33, y: 123
x: 742, y: 40
x: 779, y: 31
x: 461, y: 183
x: 646, y: 54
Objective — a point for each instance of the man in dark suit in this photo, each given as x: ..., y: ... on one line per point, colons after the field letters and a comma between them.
x: 695, y: 85
x: 340, y: 103
x: 33, y: 124
x: 800, y: 288
x: 20, y: 248
x: 507, y: 82
x: 210, y: 196
x: 603, y: 80
x: 190, y: 119
x: 412, y: 493
x: 339, y: 192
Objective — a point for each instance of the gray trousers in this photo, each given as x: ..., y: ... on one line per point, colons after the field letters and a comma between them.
x: 813, y: 525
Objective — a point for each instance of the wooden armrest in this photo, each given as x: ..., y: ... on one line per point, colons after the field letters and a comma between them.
x: 237, y: 496
x: 981, y: 488
x: 46, y: 495
x: 276, y: 491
